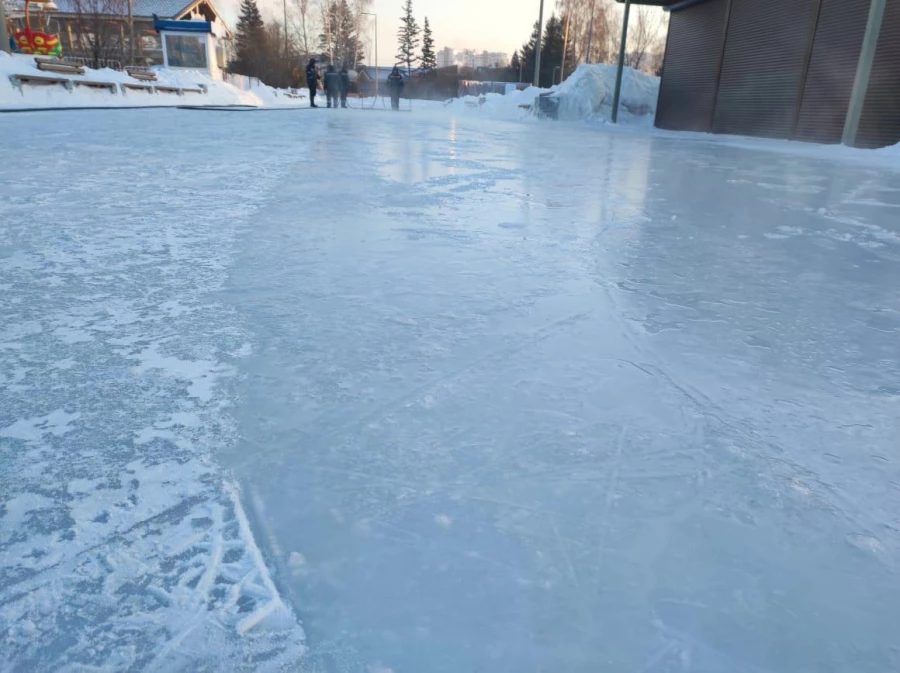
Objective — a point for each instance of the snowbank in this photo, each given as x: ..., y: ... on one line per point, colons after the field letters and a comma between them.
x: 514, y: 105
x: 588, y: 93
x: 216, y: 93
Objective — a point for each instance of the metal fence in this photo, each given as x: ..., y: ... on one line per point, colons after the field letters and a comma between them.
x: 90, y: 63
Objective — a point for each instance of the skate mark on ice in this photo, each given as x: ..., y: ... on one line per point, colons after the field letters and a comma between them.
x: 497, y: 355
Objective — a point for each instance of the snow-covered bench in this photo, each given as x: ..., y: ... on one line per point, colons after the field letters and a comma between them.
x: 19, y: 79
x: 141, y: 74
x: 136, y: 87
x: 55, y: 65
x: 91, y: 84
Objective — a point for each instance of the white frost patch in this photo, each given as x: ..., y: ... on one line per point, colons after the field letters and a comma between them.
x: 443, y: 521
x: 246, y: 350
x: 71, y: 335
x: 297, y: 563
x: 274, y: 606
x: 17, y: 509
x: 33, y: 429
x: 201, y: 375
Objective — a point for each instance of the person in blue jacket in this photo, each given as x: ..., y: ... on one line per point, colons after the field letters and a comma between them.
x: 395, y: 86
x: 332, y: 86
x: 345, y: 84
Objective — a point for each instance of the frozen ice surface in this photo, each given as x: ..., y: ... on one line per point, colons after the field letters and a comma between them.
x: 498, y: 397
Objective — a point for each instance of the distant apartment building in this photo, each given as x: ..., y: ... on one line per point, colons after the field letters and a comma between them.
x: 446, y: 57
x: 469, y: 58
x: 492, y: 59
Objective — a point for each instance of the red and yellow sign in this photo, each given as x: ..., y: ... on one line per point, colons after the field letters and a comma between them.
x: 37, y: 43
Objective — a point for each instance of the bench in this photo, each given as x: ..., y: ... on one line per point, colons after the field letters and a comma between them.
x: 168, y: 89
x: 136, y: 87
x: 39, y: 80
x: 191, y: 90
x: 55, y: 65
x: 141, y: 74
x: 91, y: 84
x: 525, y: 106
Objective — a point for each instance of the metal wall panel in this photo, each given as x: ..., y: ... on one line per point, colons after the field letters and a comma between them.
x: 762, y: 71
x: 832, y: 69
x: 880, y: 122
x: 687, y: 91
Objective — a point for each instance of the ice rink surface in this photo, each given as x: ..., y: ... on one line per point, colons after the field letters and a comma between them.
x: 456, y: 394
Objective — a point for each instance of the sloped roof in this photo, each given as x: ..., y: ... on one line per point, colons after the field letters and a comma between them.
x: 164, y: 9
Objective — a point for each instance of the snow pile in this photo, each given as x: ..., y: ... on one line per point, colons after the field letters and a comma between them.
x: 217, y: 92
x: 512, y: 106
x: 890, y: 152
x: 588, y: 93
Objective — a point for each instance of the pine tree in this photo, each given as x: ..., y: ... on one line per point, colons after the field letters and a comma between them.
x: 408, y: 37
x: 552, y: 50
x: 516, y: 65
x: 339, y: 39
x: 428, y: 60
x: 250, y: 41
x: 527, y: 54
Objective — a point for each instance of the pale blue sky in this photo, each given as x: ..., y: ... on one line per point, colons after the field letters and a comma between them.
x: 491, y: 25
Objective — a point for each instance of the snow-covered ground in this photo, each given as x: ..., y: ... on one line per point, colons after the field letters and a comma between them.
x: 455, y: 394
x: 217, y: 93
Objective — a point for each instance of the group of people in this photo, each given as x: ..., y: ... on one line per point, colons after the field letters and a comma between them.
x: 337, y: 84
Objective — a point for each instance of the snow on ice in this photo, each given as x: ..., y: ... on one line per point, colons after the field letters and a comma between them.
x: 456, y: 393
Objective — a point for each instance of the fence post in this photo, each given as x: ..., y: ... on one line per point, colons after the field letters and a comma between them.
x: 4, y: 36
x: 863, y: 72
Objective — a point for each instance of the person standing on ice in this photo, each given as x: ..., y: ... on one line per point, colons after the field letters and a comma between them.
x: 332, y: 86
x: 345, y: 84
x: 312, y: 81
x: 395, y: 86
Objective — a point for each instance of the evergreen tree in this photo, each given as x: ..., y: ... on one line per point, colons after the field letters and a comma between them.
x: 552, y: 50
x: 429, y: 60
x: 339, y: 39
x: 518, y: 68
x: 527, y: 54
x: 408, y: 36
x: 250, y: 48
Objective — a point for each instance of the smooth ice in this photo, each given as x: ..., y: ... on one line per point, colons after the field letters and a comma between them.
x: 498, y: 396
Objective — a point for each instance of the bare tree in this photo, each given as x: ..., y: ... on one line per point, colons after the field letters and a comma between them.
x: 646, y: 36
x: 101, y: 30
x: 578, y: 13
x: 304, y: 27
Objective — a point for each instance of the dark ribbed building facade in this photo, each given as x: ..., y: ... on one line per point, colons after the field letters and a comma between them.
x: 779, y: 69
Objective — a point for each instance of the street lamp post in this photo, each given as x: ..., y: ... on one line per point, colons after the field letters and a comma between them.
x: 130, y: 31
x: 562, y: 66
x: 285, y: 33
x: 590, y: 34
x: 4, y: 36
x: 375, y: 16
x: 537, y: 47
x: 615, y: 106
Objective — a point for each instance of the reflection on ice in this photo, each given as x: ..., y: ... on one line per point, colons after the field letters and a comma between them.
x: 576, y: 401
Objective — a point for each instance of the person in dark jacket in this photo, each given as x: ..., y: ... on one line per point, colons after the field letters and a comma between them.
x: 312, y: 81
x: 332, y: 86
x: 395, y: 86
x: 345, y: 84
